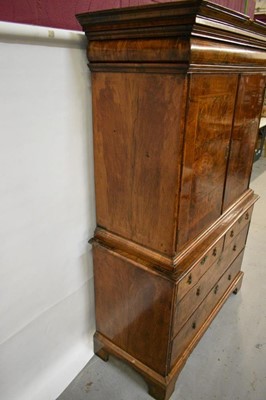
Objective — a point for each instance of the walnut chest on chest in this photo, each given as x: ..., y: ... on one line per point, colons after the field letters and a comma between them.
x: 177, y: 93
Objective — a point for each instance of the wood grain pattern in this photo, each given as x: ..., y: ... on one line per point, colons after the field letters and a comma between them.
x: 205, y: 161
x: 234, y: 287
x: 244, y: 136
x: 198, y: 318
x: 161, y: 387
x: 135, y: 304
x: 177, y: 90
x: 182, y: 263
x: 198, y: 269
x: 132, y: 50
x: 133, y: 308
x: 206, y: 53
x: 138, y: 135
x: 237, y: 227
x: 198, y: 292
x: 162, y: 33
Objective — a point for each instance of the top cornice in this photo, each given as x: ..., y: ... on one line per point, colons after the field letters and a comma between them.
x: 168, y: 19
x: 185, y: 34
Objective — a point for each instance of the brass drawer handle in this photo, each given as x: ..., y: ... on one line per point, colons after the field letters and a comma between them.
x: 194, y: 325
x: 216, y: 289
x: 229, y: 277
x: 189, y: 281
x: 247, y: 216
x: 203, y: 260
x: 232, y: 233
x: 198, y: 291
x: 234, y: 248
x: 214, y: 253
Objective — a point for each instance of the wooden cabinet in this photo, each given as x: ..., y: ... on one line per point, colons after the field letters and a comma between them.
x: 177, y: 94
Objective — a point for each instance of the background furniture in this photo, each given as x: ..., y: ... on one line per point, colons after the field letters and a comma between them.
x: 177, y: 96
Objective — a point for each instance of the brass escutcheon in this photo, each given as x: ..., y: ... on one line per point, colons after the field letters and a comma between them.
x: 203, y: 260
x: 216, y: 289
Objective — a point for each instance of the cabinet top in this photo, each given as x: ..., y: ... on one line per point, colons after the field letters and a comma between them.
x: 187, y: 27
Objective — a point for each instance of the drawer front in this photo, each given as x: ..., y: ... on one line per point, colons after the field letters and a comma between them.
x: 205, y: 262
x: 195, y: 296
x: 197, y: 319
x: 235, y: 246
x: 238, y: 226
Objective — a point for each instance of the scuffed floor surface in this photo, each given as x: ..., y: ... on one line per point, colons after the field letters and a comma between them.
x: 229, y: 362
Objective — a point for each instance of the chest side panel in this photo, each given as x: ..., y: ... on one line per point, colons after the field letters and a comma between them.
x: 133, y: 308
x: 208, y: 130
x: 138, y: 133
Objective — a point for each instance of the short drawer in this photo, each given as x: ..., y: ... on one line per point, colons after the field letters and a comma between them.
x: 242, y: 221
x: 235, y: 246
x: 199, y: 269
x: 197, y: 319
x: 189, y: 303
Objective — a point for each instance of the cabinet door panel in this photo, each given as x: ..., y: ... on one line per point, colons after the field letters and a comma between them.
x: 244, y: 136
x: 210, y: 115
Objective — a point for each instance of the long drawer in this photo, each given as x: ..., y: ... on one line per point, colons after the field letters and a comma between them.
x: 196, y: 320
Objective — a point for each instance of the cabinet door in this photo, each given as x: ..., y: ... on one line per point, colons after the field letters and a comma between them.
x: 244, y: 136
x: 208, y: 130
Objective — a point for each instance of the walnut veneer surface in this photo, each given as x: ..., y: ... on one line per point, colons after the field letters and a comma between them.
x: 177, y: 96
